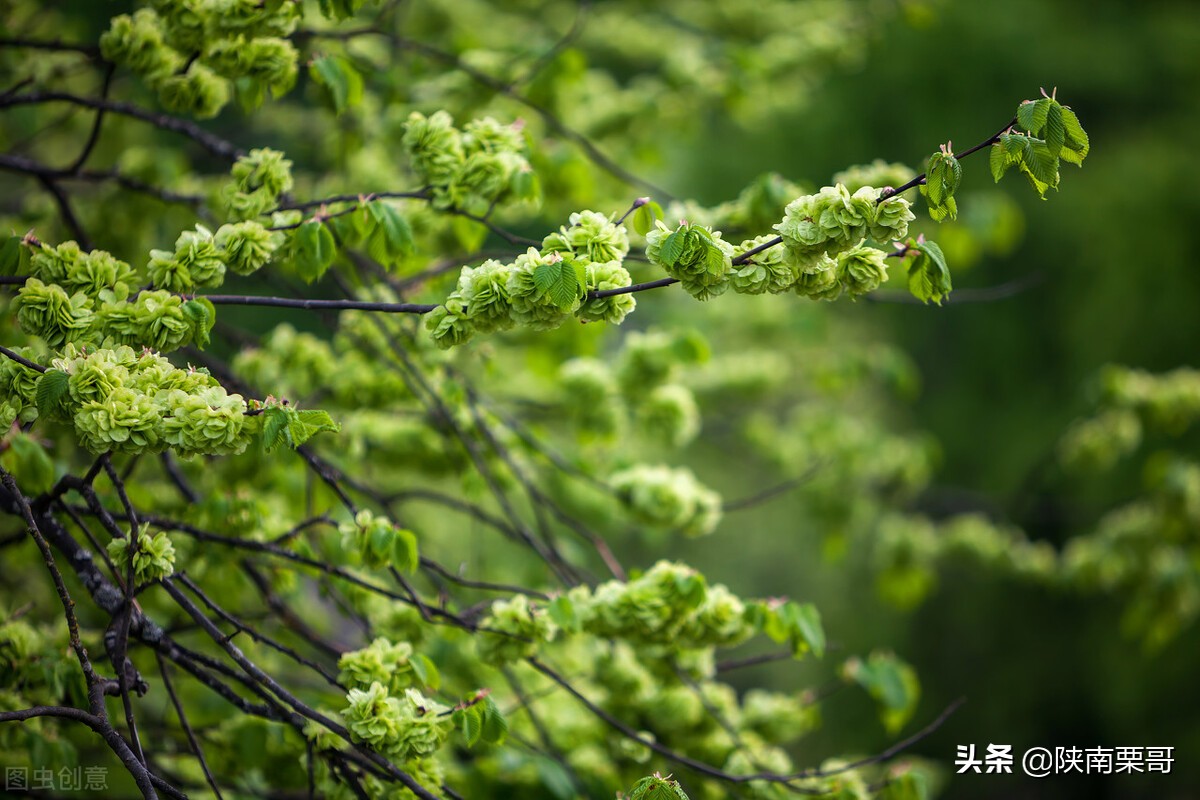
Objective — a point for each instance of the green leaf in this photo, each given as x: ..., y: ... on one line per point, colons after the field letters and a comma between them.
x: 303, y: 425
x: 1056, y: 132
x: 656, y: 787
x: 672, y: 247
x: 1042, y: 163
x: 891, y: 682
x: 645, y: 217
x: 426, y: 671
x: 314, y: 248
x: 470, y: 722
x: 1076, y: 144
x: 806, y: 622
x: 715, y: 259
x: 274, y: 430
x: 13, y: 254
x: 562, y: 611
x: 405, y: 556
x: 559, y: 280
x: 51, y: 387
x: 340, y: 79
x: 692, y: 588
x: 928, y: 275
x: 1032, y: 114
x: 911, y: 785
x: 495, y: 726
x: 391, y: 236
x: 999, y: 161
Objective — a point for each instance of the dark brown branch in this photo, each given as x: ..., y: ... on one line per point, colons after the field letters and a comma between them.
x: 210, y: 142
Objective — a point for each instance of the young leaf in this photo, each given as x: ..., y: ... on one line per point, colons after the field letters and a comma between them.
x: 805, y: 622
x: 1056, y: 132
x: 340, y: 79
x: 314, y: 248
x: 672, y: 247
x: 303, y: 425
x: 405, y: 556
x: 559, y: 280
x: 1032, y: 114
x: 891, y: 682
x: 495, y: 726
x: 274, y: 430
x: 645, y: 216
x: 470, y: 722
x: 999, y: 161
x: 50, y: 389
x: 426, y: 671
x: 391, y: 236
x: 928, y: 275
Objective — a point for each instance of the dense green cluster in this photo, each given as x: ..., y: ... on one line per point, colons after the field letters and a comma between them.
x: 668, y: 604
x: 195, y: 54
x: 379, y: 542
x: 695, y: 255
x: 400, y: 727
x: 153, y: 560
x: 87, y: 298
x: 469, y: 169
x: 514, y: 629
x: 668, y: 497
x: 382, y: 661
x: 824, y: 236
x: 543, y: 288
x: 120, y: 400
x: 259, y: 178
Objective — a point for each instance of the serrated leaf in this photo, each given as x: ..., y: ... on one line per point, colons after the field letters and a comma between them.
x: 51, y: 387
x: 1032, y: 114
x: 1041, y: 163
x: 999, y: 161
x: 342, y: 81
x: 928, y: 275
x: 1056, y: 133
x: 1076, y: 144
x: 656, y: 787
x: 715, y: 260
x: 426, y: 671
x: 470, y: 723
x: 495, y: 726
x: 314, y: 249
x: 405, y: 556
x: 559, y: 280
x: 672, y: 248
x: 274, y: 430
x: 391, y: 236
x: 935, y: 180
x: 303, y: 425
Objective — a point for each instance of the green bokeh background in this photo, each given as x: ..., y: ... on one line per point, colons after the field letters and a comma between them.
x: 1114, y: 254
